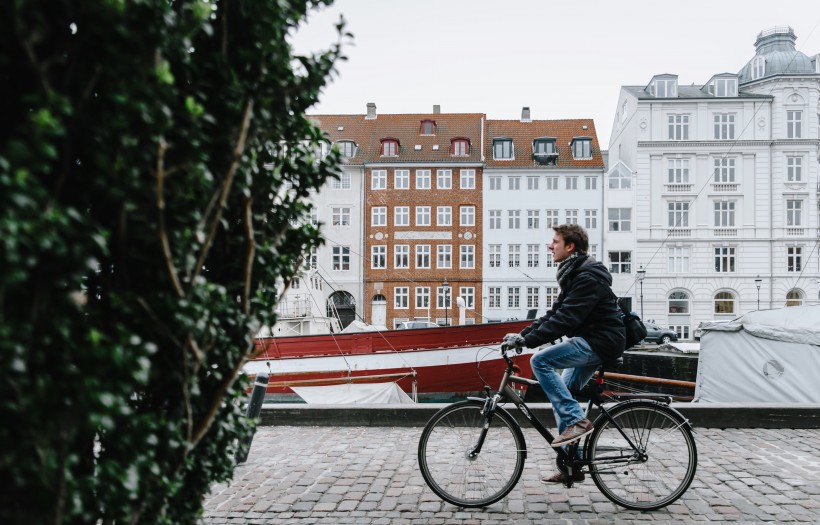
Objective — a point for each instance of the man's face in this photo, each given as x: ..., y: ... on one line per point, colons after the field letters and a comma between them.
x: 560, y: 250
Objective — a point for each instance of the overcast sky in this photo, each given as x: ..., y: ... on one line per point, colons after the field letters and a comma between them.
x: 562, y: 59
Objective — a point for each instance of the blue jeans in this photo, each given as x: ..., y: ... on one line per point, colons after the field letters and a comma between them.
x: 579, y: 363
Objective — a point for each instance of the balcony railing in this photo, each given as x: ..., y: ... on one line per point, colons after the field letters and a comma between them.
x: 795, y: 232
x: 679, y: 188
x: 725, y: 232
x: 725, y: 187
x: 680, y: 232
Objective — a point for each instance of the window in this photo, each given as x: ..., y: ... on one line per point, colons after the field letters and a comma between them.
x: 342, y: 183
x: 401, y: 179
x: 390, y: 148
x: 313, y: 259
x: 532, y: 297
x: 794, y: 258
x: 347, y: 148
x: 724, y: 303
x: 549, y: 260
x: 725, y: 214
x: 443, y: 296
x: 724, y: 87
x: 378, y: 216
x: 758, y: 67
x: 513, y: 297
x: 467, y: 216
x: 677, y: 171
x: 444, y: 179
x: 794, y: 124
x: 444, y: 215
x: 467, y: 256
x: 422, y: 256
x: 467, y: 181
x: 678, y: 303
x: 341, y: 258
x: 724, y: 170
x: 428, y: 127
x: 495, y: 219
x: 460, y: 147
x: 666, y: 88
x: 532, y: 256
x: 532, y: 183
x: 794, y: 298
x: 572, y: 183
x: 590, y: 219
x: 620, y: 219
x: 422, y: 297
x: 468, y: 294
x: 378, y: 259
x: 551, y: 218
x: 502, y: 148
x: 401, y: 297
x: 593, y: 251
x: 724, y: 259
x: 591, y: 183
x: 378, y: 180
x: 422, y: 179
x: 620, y: 262
x: 724, y: 126
x: 514, y: 217
x: 495, y: 255
x: 572, y: 217
x: 444, y: 256
x: 401, y: 216
x: 678, y: 214
x: 423, y: 216
x: 551, y: 183
x: 495, y: 183
x: 551, y: 293
x: 582, y: 148
x: 514, y: 183
x: 678, y: 259
x: 544, y: 148
x: 794, y: 212
x: 794, y: 168
x: 514, y: 255
x: 533, y: 219
x: 340, y: 216
x: 678, y: 127
x: 401, y: 256
x: 494, y: 297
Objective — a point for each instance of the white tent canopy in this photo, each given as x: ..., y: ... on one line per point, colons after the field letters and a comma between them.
x: 353, y: 394
x: 768, y: 356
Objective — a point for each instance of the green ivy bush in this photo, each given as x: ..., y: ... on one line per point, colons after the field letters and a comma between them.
x: 154, y: 164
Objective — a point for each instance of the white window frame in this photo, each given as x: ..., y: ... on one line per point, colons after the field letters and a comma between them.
x: 514, y: 219
x: 495, y: 183
x: 677, y: 171
x: 551, y: 183
x: 533, y: 293
x: 494, y: 258
x: 725, y: 258
x: 378, y: 180
x: 401, y: 256
x: 340, y: 258
x: 422, y: 296
x: 444, y: 256
x: 467, y: 256
x: 591, y: 219
x: 467, y: 216
x: 342, y: 183
x: 378, y: 216
x: 494, y: 220
x: 533, y: 253
x: 340, y: 216
x: 725, y: 170
x: 794, y: 258
x: 724, y: 126
x: 401, y: 297
x: 513, y: 183
x: 620, y: 261
x: 724, y: 214
x: 532, y: 182
x: 423, y: 178
x: 401, y: 179
x: 533, y: 219
x: 468, y: 294
x: 444, y: 179
x: 678, y: 259
x: 378, y: 257
x: 466, y: 179
x: 619, y: 219
x: 444, y: 215
x: 551, y: 218
x: 401, y: 216
x: 571, y: 216
x: 794, y: 212
x: 423, y: 217
x: 677, y: 214
x: 493, y: 297
x: 794, y: 168
x: 423, y: 256
x: 794, y: 123
x: 678, y: 126
x: 513, y: 297
x: 514, y: 255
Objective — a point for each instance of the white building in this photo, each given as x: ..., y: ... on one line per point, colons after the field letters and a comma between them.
x: 712, y: 189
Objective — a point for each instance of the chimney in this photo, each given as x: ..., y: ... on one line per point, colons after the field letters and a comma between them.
x: 525, y: 114
x: 371, y: 111
x: 436, y: 109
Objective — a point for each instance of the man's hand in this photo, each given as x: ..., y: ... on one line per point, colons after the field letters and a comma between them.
x: 511, y: 341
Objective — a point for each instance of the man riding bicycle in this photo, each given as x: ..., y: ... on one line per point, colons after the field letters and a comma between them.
x: 587, y: 313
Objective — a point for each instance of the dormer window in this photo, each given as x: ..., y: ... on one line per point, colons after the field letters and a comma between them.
x: 582, y: 148
x: 723, y: 87
x: 503, y: 148
x: 758, y: 67
x: 347, y: 148
x: 428, y: 127
x: 390, y: 148
x: 665, y: 87
x: 544, y: 151
x: 460, y: 147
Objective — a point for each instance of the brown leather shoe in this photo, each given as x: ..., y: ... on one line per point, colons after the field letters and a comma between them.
x: 560, y: 477
x: 573, y: 433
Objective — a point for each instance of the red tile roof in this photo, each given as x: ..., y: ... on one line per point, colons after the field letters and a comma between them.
x: 523, y: 134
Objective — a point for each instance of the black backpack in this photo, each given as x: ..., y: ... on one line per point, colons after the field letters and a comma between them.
x: 633, y: 326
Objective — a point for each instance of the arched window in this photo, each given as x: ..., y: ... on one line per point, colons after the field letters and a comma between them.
x: 679, y: 303
x: 460, y: 147
x: 390, y: 147
x: 794, y: 297
x: 725, y: 303
x: 342, y: 305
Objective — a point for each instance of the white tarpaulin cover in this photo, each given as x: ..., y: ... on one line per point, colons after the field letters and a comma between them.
x: 769, y: 356
x: 352, y: 394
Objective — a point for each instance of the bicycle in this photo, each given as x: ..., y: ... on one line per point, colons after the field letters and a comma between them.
x: 641, y: 454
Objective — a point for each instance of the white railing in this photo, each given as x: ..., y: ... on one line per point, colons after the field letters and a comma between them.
x: 679, y: 188
x: 680, y: 232
x: 795, y: 231
x: 725, y: 232
x: 725, y: 187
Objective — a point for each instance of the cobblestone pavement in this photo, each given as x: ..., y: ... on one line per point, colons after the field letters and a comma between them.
x: 370, y: 475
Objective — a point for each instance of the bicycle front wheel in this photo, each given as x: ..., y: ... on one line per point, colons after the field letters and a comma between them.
x: 644, y: 458
x: 454, y: 467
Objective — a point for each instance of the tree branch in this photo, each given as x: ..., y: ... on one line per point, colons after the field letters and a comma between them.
x: 249, y: 254
x: 163, y: 234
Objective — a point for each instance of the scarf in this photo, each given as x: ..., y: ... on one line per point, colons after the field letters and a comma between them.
x: 566, y: 267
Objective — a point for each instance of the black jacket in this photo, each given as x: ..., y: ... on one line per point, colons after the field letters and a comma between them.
x: 586, y: 308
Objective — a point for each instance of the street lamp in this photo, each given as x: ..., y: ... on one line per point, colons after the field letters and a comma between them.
x: 758, y: 282
x: 641, y: 275
x: 446, y: 286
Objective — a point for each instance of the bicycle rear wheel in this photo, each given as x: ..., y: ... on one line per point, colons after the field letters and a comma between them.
x: 455, y: 471
x: 657, y: 471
